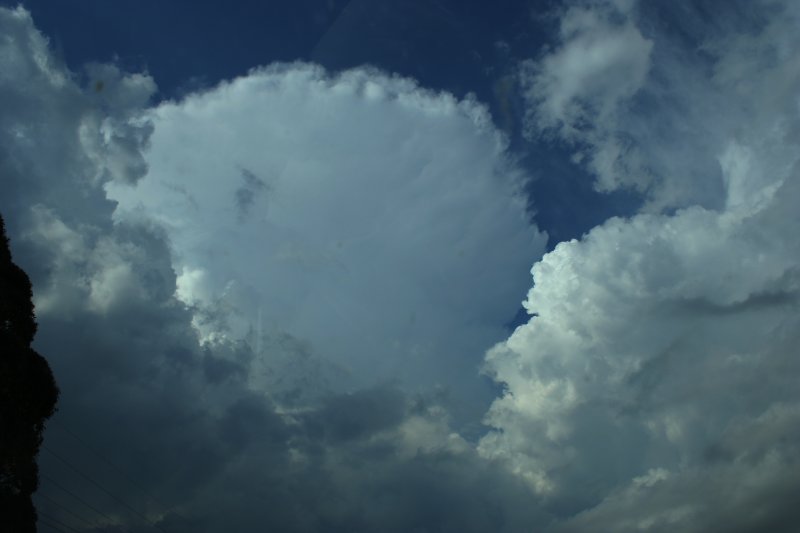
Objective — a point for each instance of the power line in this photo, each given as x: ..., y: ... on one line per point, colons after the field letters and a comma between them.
x: 66, y: 509
x: 58, y: 524
x: 51, y: 526
x: 113, y: 466
x: 78, y: 498
x: 102, y: 488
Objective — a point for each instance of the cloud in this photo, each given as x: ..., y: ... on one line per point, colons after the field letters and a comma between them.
x: 745, y: 485
x: 632, y: 131
x: 220, y: 282
x: 380, y: 223
x: 660, y: 345
x: 577, y: 90
x: 145, y: 331
x: 217, y: 454
x: 246, y: 194
x: 602, y: 61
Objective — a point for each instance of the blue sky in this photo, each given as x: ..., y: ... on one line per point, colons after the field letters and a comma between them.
x: 459, y: 47
x: 279, y: 250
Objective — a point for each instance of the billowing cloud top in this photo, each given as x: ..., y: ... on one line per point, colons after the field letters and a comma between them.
x: 381, y: 224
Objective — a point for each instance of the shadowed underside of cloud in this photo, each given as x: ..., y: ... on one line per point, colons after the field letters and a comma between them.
x: 654, y: 389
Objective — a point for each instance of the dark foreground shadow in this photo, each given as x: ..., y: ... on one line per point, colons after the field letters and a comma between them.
x: 28, y: 395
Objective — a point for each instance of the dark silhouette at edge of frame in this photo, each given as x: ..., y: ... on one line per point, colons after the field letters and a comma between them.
x: 28, y: 396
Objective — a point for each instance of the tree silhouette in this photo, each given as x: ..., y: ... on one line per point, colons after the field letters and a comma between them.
x: 28, y: 395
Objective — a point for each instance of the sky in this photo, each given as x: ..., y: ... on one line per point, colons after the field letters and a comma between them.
x: 424, y: 266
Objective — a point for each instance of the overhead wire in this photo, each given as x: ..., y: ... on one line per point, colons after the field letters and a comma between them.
x: 111, y: 464
x: 102, y: 488
x: 51, y: 526
x: 78, y: 498
x: 59, y: 525
x: 66, y: 509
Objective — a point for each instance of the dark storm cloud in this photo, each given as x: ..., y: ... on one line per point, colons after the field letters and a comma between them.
x: 354, y: 416
x: 224, y: 457
x: 221, y: 455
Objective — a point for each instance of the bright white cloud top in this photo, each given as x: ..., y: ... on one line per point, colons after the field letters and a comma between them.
x: 380, y: 223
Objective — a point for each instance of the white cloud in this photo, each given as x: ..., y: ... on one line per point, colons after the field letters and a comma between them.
x: 649, y: 109
x: 601, y: 63
x: 661, y: 345
x: 638, y: 308
x: 379, y: 222
x: 577, y: 90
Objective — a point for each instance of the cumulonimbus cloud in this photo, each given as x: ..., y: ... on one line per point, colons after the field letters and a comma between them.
x: 380, y: 223
x: 144, y: 337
